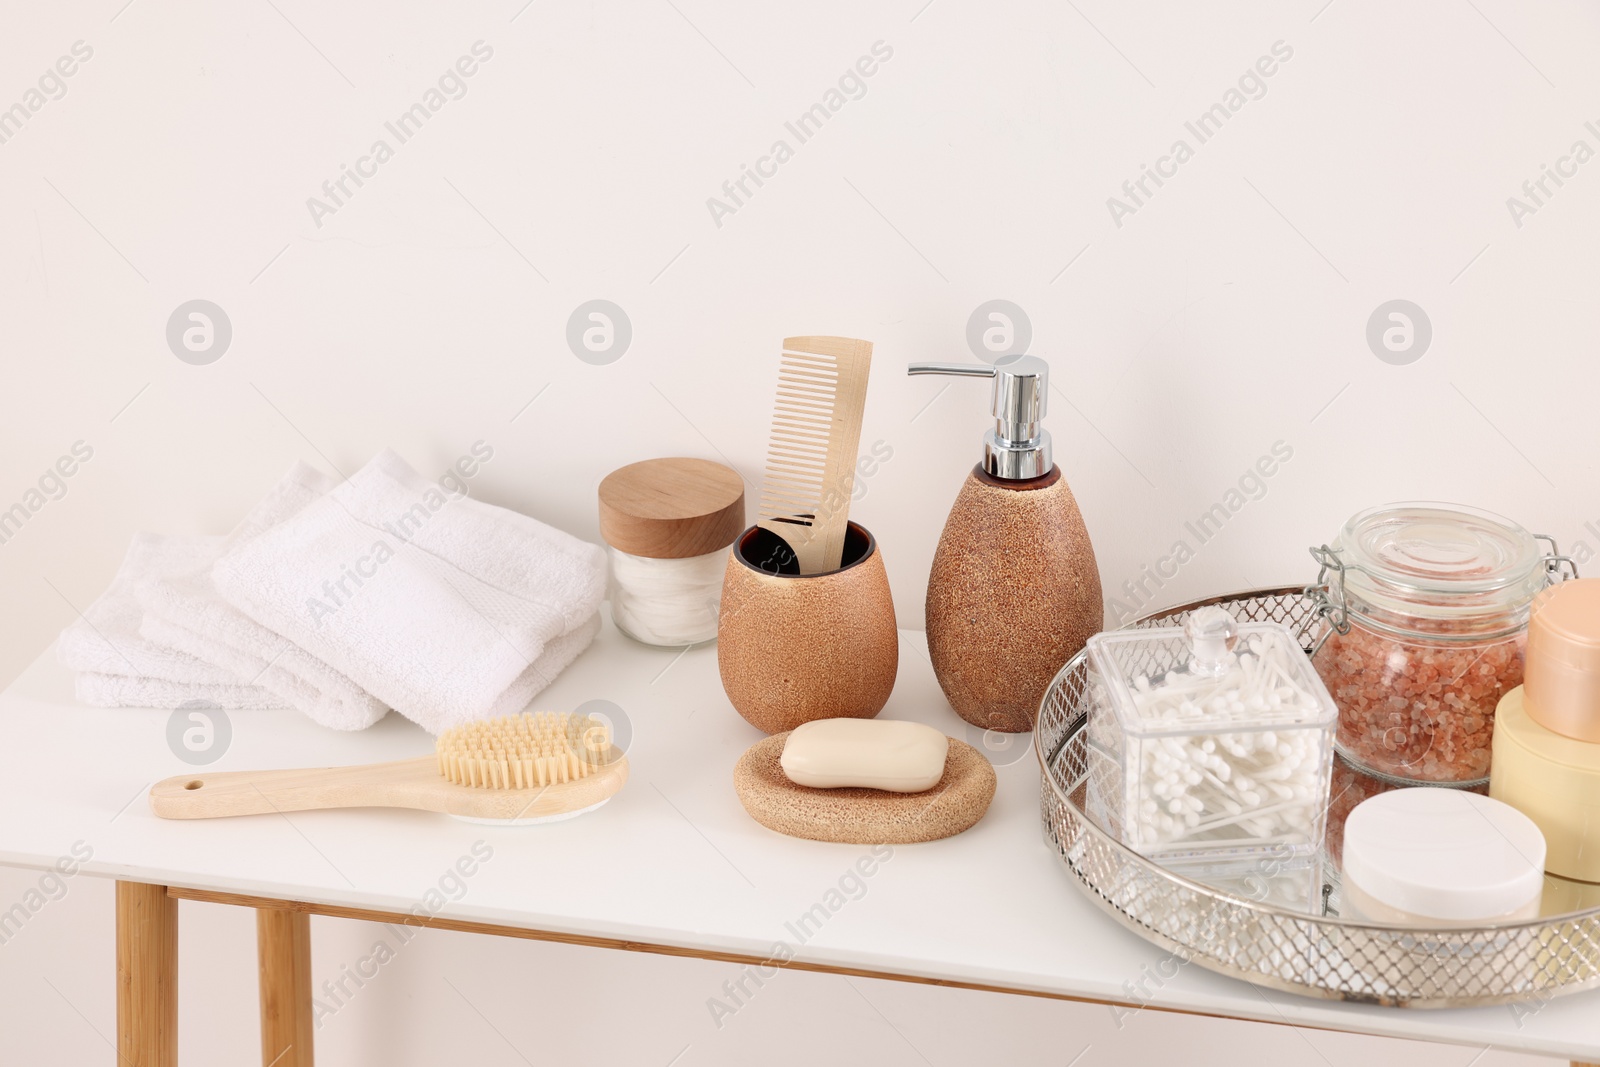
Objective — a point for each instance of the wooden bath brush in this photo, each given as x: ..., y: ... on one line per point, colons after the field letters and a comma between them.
x: 519, y: 769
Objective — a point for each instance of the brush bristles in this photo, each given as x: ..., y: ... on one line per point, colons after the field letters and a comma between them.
x: 526, y: 751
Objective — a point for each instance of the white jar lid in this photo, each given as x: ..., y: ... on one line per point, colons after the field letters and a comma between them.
x: 1444, y: 853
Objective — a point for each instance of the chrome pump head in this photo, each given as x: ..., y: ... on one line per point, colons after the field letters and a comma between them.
x: 1018, y: 448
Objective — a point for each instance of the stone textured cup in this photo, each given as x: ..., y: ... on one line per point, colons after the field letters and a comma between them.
x: 792, y: 648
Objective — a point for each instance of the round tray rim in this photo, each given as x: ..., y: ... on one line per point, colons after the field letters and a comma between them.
x: 1107, y: 904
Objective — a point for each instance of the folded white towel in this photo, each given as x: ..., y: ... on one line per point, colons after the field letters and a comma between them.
x: 121, y: 691
x: 106, y: 639
x: 441, y: 606
x: 289, y: 690
x: 184, y: 612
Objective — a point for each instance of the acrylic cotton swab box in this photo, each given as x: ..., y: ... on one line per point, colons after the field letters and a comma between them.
x: 1211, y: 743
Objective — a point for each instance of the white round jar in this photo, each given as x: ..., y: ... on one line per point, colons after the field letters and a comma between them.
x: 668, y: 525
x: 1429, y: 856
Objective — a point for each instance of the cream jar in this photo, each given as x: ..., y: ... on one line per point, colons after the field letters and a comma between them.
x: 1441, y: 857
x: 1562, y: 688
x: 669, y: 524
x: 1546, y: 759
x: 1552, y: 779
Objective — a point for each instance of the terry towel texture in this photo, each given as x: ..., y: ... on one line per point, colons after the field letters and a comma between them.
x: 105, y: 639
x: 123, y: 691
x: 343, y: 601
x: 445, y: 608
x: 117, y: 666
x: 183, y: 611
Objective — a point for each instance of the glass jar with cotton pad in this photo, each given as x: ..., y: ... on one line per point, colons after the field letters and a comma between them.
x: 669, y: 524
x: 1440, y: 857
x: 1211, y: 742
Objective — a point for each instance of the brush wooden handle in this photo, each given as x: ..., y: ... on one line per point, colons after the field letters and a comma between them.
x: 413, y: 783
x: 210, y: 795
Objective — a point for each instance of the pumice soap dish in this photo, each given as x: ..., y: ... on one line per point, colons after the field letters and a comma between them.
x: 869, y: 782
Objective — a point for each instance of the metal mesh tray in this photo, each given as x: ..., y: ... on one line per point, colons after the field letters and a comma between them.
x: 1294, y: 940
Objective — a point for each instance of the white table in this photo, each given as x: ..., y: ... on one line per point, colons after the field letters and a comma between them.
x: 671, y: 865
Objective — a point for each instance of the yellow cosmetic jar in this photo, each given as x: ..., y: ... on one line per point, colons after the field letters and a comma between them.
x: 1553, y: 780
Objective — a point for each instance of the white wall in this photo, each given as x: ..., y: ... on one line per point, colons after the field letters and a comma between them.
x: 1227, y: 313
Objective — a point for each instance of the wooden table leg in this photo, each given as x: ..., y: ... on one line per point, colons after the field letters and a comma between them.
x: 283, y: 945
x: 147, y: 976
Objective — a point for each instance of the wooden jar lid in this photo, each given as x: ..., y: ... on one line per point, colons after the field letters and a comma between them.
x: 671, y: 508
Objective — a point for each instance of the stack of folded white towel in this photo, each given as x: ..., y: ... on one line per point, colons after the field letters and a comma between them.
x: 343, y: 601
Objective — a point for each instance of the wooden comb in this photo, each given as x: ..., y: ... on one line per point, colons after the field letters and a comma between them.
x: 811, y: 457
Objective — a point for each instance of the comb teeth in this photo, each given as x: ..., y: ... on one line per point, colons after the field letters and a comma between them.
x: 527, y: 751
x: 811, y: 453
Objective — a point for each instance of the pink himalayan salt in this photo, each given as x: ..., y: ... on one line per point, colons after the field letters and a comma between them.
x: 1418, y: 711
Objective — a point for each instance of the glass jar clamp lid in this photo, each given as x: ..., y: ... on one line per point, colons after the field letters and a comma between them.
x: 1441, y: 570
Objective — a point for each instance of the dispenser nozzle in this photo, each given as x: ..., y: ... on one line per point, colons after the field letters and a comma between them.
x: 1018, y: 447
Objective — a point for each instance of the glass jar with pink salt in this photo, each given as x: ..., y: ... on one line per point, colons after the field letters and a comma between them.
x: 1426, y: 611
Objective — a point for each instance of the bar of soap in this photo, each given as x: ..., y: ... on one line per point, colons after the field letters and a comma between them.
x: 901, y: 757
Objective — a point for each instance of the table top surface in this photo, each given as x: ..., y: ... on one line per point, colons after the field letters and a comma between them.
x: 673, y: 859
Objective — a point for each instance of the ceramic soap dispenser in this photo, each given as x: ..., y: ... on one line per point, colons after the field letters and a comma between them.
x: 1015, y: 591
